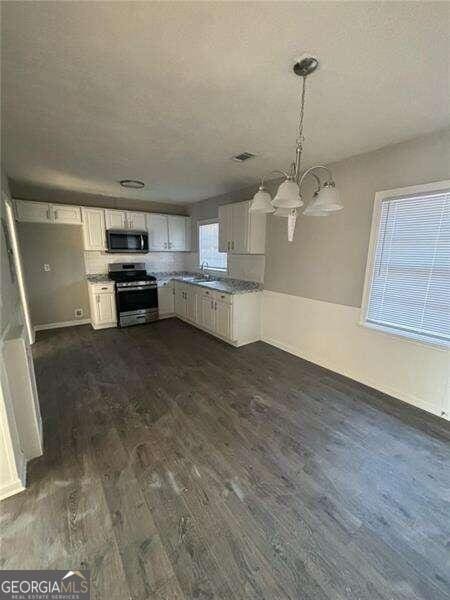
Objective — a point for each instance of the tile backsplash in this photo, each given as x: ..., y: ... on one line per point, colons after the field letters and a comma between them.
x: 242, y: 266
x: 248, y: 267
x: 97, y: 262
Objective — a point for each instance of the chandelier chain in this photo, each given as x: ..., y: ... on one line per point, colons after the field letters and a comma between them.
x: 302, y: 111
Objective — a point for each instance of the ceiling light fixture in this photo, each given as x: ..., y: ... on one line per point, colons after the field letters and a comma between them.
x: 288, y: 198
x: 132, y: 183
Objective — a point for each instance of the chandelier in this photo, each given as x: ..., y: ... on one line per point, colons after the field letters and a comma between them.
x: 288, y: 198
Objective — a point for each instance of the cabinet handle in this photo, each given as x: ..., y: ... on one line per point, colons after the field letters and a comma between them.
x: 98, y: 298
x: 232, y: 245
x: 55, y: 212
x: 207, y: 293
x: 104, y: 288
x: 215, y: 305
x: 48, y: 214
x: 212, y: 305
x: 228, y: 246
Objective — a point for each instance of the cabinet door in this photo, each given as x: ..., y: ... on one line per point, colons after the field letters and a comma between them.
x: 208, y: 313
x: 180, y: 300
x: 106, y: 308
x: 239, y: 227
x: 37, y: 212
x: 137, y: 220
x: 224, y: 228
x: 191, y: 303
x: 66, y: 214
x: 115, y: 219
x: 223, y: 319
x: 93, y: 228
x: 177, y: 232
x: 166, y: 299
x: 157, y: 232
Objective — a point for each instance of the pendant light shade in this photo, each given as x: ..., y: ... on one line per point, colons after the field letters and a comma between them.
x: 282, y: 212
x: 262, y: 202
x: 327, y: 199
x: 288, y: 195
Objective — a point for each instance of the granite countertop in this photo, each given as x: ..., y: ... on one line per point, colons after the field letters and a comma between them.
x: 228, y: 286
x: 219, y: 284
x: 98, y: 278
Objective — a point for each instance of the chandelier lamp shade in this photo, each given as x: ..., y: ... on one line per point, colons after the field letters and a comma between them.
x: 288, y: 198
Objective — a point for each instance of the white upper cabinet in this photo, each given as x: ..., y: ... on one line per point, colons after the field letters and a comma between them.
x: 42, y: 212
x: 125, y: 219
x: 137, y: 220
x: 241, y: 232
x: 66, y: 214
x: 115, y: 219
x: 177, y: 232
x: 168, y: 233
x: 94, y: 237
x: 225, y: 233
x: 158, y: 234
x: 37, y: 212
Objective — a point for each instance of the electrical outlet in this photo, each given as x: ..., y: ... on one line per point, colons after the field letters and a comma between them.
x: 47, y: 267
x: 78, y: 312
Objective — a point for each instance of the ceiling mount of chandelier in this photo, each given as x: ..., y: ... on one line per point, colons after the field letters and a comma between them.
x: 288, y: 198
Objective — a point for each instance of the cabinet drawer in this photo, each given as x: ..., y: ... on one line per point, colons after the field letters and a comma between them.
x: 102, y: 288
x: 222, y: 297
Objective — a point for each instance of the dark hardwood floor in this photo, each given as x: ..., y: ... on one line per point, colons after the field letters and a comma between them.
x: 176, y: 466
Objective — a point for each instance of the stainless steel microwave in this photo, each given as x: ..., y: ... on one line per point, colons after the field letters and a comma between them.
x: 126, y: 241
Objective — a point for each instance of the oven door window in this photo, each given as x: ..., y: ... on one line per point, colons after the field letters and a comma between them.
x: 125, y: 241
x: 133, y: 300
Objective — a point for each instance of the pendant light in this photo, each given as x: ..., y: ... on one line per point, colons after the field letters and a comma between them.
x: 288, y: 198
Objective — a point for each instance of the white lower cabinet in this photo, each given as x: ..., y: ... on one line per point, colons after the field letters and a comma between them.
x: 166, y: 299
x: 234, y: 318
x: 102, y: 300
x: 208, y: 319
x: 223, y: 318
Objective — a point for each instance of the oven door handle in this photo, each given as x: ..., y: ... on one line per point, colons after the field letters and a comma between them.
x: 138, y: 287
x: 142, y: 241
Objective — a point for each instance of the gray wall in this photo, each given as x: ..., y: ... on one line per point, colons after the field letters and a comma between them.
x: 54, y: 295
x: 327, y: 259
x: 10, y: 313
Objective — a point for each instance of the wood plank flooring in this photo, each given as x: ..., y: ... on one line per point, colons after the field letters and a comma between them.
x: 178, y: 467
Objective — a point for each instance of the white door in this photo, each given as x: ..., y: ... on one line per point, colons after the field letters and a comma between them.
x: 223, y: 319
x: 166, y: 299
x: 239, y: 228
x: 224, y: 228
x: 94, y: 228
x: 37, y: 212
x: 157, y: 232
x: 137, y: 220
x: 177, y: 232
x: 208, y: 313
x: 115, y: 219
x: 66, y: 214
x: 180, y: 299
x: 191, y: 301
x: 106, y: 306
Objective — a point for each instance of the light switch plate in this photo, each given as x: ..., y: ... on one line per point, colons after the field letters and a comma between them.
x: 47, y: 267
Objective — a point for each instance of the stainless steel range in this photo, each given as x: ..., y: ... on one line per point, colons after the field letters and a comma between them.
x: 136, y: 293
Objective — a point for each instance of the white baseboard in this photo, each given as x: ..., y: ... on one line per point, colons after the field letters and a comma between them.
x: 410, y: 399
x: 17, y: 485
x: 62, y: 324
x: 329, y: 335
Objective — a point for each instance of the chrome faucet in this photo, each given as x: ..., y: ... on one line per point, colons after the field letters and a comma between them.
x: 204, y: 263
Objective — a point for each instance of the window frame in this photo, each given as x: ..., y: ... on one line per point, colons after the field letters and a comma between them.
x: 209, y: 269
x: 409, y: 336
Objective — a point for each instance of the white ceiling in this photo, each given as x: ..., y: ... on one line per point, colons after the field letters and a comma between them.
x: 166, y: 92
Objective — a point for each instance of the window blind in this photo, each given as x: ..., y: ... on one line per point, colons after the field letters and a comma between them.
x: 208, y: 244
x: 410, y: 286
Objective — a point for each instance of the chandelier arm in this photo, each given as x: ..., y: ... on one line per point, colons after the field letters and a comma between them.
x: 310, y: 170
x: 264, y: 177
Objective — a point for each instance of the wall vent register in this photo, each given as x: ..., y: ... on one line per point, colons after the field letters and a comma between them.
x: 408, y: 278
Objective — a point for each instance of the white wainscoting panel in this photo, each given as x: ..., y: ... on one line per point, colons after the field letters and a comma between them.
x: 329, y: 335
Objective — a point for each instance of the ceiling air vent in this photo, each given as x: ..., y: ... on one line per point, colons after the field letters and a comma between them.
x: 243, y: 156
